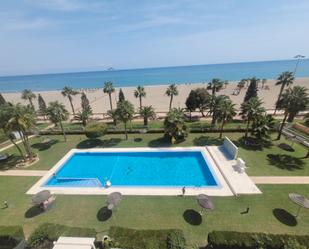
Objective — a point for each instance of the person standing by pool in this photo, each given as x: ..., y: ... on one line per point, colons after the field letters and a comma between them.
x: 183, y: 191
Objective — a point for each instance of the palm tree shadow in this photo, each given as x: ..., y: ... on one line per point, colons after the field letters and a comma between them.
x: 93, y: 143
x: 9, y: 162
x: 104, y: 214
x: 206, y: 140
x: 286, y: 147
x: 45, y: 146
x: 159, y: 142
x: 252, y: 143
x: 33, y: 211
x: 285, y: 217
x: 192, y: 217
x: 286, y: 162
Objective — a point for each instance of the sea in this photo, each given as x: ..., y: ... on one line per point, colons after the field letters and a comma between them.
x: 154, y: 76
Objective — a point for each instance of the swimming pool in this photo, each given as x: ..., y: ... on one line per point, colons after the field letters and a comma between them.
x: 129, y: 168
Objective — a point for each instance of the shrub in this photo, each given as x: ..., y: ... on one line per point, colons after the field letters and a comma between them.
x: 238, y: 240
x: 94, y: 130
x: 141, y: 239
x: 46, y: 233
x: 10, y: 236
x: 176, y: 240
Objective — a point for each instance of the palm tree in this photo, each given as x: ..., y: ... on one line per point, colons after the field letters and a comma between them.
x: 113, y: 115
x: 285, y: 79
x: 140, y: 93
x: 69, y: 92
x: 27, y: 94
x: 262, y: 125
x: 22, y: 120
x: 83, y: 116
x: 250, y: 110
x: 292, y: 101
x: 174, y: 124
x: 6, y: 112
x: 147, y: 112
x: 125, y: 112
x: 109, y: 89
x: 216, y: 102
x: 225, y: 113
x: 57, y: 113
x: 171, y: 91
x: 215, y: 86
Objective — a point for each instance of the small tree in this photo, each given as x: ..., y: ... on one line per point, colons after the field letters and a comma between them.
x: 147, y: 112
x: 251, y: 110
x: 2, y: 100
x: 252, y: 89
x: 140, y: 93
x: 42, y: 105
x: 69, y: 93
x: 125, y: 112
x: 109, y: 89
x: 225, y: 112
x: 95, y: 130
x: 203, y: 99
x: 121, y: 96
x: 84, y: 115
x: 174, y: 125
x: 57, y: 114
x: 85, y: 102
x: 171, y: 91
x: 191, y: 102
x: 27, y: 94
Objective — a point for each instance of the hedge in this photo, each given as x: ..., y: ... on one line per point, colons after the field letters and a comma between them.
x: 10, y: 236
x: 45, y: 234
x: 141, y: 239
x: 239, y: 240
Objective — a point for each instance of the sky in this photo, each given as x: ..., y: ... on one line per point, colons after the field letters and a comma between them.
x: 47, y: 36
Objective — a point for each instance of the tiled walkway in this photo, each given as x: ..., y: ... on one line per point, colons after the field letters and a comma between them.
x: 23, y: 172
x: 280, y: 179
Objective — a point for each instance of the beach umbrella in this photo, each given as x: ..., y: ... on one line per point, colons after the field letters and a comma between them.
x: 41, y: 197
x: 205, y: 202
x: 113, y: 199
x: 300, y: 200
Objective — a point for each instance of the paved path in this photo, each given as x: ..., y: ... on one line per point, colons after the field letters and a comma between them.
x: 280, y: 179
x: 23, y: 172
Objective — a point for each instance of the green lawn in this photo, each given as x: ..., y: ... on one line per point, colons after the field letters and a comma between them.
x: 160, y: 212
x: 269, y: 160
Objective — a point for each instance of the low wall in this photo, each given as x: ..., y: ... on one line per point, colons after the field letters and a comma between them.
x: 301, y: 128
x: 230, y: 147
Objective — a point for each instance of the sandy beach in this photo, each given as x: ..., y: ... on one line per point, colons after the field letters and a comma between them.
x: 155, y: 96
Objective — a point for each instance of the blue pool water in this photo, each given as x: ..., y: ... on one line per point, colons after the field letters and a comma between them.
x: 168, y: 169
x: 154, y: 76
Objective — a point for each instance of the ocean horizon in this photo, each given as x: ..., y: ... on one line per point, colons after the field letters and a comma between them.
x: 153, y: 76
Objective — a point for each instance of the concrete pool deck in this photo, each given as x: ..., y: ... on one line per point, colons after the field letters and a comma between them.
x: 229, y: 182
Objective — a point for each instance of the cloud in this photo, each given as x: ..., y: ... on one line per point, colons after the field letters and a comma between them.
x: 64, y: 5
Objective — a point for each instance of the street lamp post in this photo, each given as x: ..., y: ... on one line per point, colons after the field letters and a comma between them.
x: 298, y: 57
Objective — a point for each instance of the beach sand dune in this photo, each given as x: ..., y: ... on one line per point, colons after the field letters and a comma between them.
x: 155, y: 96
